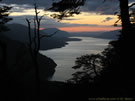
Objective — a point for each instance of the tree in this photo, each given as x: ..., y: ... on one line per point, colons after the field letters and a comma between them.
x: 4, y: 76
x: 34, y: 42
x: 132, y: 15
x: 124, y: 12
x: 91, y: 68
x: 118, y: 52
x: 66, y: 8
x: 4, y: 12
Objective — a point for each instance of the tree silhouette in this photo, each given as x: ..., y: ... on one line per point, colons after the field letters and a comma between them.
x: 117, y: 71
x: 132, y: 15
x: 91, y: 67
x: 124, y: 9
x: 66, y: 8
x: 34, y: 42
x: 4, y: 76
x: 4, y: 12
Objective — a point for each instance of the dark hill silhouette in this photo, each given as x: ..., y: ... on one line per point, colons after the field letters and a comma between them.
x: 103, y: 35
x: 110, y: 35
x: 20, y: 33
x: 20, y: 66
x: 59, y: 35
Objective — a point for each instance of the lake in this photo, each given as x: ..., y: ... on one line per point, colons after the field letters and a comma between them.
x: 65, y: 56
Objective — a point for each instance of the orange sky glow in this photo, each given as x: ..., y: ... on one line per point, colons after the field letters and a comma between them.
x: 88, y: 29
x: 96, y: 21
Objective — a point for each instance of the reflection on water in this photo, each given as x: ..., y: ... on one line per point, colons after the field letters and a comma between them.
x: 65, y: 57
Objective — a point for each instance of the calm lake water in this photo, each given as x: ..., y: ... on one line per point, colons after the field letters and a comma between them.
x: 65, y: 56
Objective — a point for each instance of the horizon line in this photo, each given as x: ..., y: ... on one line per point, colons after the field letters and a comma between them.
x: 77, y: 29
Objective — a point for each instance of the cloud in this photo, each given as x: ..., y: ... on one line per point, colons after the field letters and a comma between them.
x: 98, y: 6
x: 107, y: 19
x: 109, y: 7
x: 41, y: 3
x: 92, y: 6
x: 46, y: 22
x: 69, y: 19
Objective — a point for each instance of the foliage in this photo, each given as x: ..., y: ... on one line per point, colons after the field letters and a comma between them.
x: 91, y: 66
x: 66, y: 8
x: 132, y: 15
x: 4, y: 13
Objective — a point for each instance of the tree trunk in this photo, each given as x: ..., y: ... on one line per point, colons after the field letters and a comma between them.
x: 3, y: 49
x: 124, y: 10
x: 126, y: 46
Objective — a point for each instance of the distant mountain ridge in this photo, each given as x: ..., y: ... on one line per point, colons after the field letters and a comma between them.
x: 20, y: 33
x: 103, y: 35
x: 60, y: 39
x: 110, y: 35
x: 59, y: 33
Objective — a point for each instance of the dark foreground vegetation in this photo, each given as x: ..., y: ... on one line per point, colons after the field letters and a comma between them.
x: 114, y: 79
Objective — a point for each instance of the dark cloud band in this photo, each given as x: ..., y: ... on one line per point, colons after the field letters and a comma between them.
x: 98, y: 6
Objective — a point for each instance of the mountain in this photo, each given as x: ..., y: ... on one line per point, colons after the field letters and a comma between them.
x: 85, y: 34
x: 19, y: 33
x: 103, y: 35
x: 110, y: 35
x: 59, y: 34
x: 19, y: 64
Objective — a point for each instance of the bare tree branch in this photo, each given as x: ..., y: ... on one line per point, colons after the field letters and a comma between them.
x: 41, y: 17
x: 49, y: 35
x: 29, y: 32
x: 131, y: 5
x: 35, y: 34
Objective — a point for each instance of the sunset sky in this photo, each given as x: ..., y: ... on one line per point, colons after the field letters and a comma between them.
x: 95, y: 15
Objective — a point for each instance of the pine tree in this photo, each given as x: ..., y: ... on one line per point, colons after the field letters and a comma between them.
x: 4, y: 12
